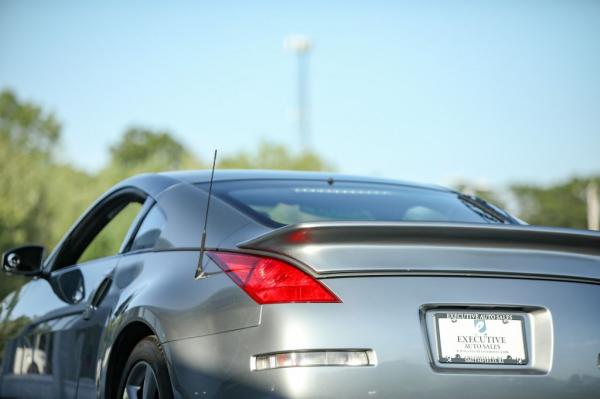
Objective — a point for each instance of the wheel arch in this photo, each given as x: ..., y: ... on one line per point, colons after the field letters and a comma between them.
x: 123, y: 345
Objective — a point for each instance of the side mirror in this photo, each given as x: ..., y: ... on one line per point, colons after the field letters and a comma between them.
x: 26, y: 261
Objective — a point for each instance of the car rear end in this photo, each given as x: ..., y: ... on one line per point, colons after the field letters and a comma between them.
x: 405, y: 309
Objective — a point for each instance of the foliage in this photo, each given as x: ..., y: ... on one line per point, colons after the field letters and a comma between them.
x: 25, y: 127
x: 28, y: 138
x: 558, y: 205
x: 274, y: 156
x: 141, y: 148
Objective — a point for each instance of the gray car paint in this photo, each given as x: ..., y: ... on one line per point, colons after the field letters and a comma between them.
x: 387, y: 314
x: 424, y: 248
x: 390, y: 287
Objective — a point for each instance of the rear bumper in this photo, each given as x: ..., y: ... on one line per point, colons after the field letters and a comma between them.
x: 388, y: 315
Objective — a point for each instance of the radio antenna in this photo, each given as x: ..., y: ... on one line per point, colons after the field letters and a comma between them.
x: 200, y: 268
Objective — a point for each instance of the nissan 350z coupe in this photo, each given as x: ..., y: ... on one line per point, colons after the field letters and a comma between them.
x: 309, y: 286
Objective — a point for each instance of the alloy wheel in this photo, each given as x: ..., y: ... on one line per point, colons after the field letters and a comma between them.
x: 141, y: 383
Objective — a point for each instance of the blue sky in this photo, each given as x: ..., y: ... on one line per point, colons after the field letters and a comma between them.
x: 498, y: 91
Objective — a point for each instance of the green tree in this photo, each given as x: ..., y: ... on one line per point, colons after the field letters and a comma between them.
x: 274, y: 156
x: 141, y: 148
x: 558, y: 205
x: 30, y: 202
x: 25, y: 127
x: 28, y: 138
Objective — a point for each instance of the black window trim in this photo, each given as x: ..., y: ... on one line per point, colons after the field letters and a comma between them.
x: 89, y: 226
x: 135, y: 226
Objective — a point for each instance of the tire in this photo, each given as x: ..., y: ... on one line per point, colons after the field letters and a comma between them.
x: 147, y: 353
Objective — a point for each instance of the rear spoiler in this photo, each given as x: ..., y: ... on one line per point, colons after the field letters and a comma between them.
x: 440, y: 249
x: 484, y: 235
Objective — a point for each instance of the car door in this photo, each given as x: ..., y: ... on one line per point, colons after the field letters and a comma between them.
x: 45, y: 323
x: 144, y: 239
x: 92, y: 323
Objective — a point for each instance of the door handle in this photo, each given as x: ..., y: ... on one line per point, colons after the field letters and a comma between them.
x: 97, y: 298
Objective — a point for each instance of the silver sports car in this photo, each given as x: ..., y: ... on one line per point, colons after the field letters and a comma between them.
x: 309, y: 285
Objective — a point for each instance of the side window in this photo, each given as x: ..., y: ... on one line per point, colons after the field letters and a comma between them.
x: 108, y: 241
x: 149, y: 231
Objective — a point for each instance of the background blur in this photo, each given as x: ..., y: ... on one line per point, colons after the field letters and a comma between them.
x: 501, y: 99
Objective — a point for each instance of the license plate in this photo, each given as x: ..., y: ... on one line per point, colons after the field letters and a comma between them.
x: 481, y: 338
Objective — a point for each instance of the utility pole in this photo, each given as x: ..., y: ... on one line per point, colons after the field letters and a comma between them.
x: 301, y: 46
x: 593, y: 206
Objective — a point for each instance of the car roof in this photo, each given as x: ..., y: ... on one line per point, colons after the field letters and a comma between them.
x: 203, y: 176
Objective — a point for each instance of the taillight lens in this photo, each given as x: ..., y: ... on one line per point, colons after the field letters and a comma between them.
x: 268, y: 280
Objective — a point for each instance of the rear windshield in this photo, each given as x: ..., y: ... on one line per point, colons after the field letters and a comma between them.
x: 283, y: 202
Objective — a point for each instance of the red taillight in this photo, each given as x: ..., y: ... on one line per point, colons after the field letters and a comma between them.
x: 269, y: 280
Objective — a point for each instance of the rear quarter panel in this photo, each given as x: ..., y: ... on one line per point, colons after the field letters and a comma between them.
x: 159, y: 289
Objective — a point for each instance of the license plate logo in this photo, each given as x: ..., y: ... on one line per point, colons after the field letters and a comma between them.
x: 481, y: 338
